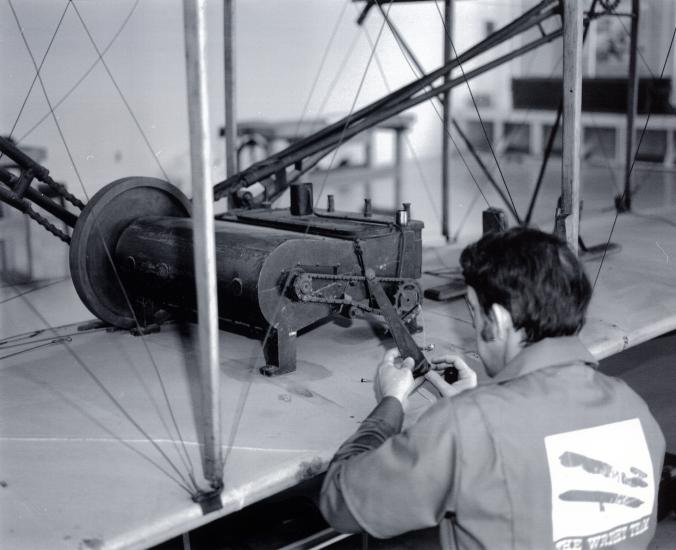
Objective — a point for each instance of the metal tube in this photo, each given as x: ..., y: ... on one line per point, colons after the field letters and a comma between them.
x: 229, y: 65
x: 632, y: 100
x: 203, y: 235
x: 446, y: 118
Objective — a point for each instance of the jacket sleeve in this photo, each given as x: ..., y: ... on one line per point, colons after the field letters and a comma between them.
x: 391, y: 485
x: 383, y: 422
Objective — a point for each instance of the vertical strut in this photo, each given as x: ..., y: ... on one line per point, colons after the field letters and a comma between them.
x: 446, y: 118
x: 229, y: 65
x: 203, y: 234
x: 632, y: 100
x: 568, y: 217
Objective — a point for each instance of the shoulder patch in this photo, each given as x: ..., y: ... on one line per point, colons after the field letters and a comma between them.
x: 602, y: 483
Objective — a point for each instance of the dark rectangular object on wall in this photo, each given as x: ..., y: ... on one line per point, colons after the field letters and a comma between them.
x: 601, y: 95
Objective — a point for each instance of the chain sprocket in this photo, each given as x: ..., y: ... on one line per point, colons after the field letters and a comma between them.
x: 406, y: 298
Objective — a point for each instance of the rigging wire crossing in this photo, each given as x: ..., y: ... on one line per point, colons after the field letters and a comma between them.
x: 188, y: 483
x: 184, y: 455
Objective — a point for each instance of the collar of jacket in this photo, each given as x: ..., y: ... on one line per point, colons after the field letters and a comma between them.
x: 549, y: 352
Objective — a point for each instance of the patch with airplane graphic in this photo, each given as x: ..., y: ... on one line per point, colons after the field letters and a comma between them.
x: 603, y: 489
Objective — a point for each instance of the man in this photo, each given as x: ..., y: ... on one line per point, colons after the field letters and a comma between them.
x: 547, y: 453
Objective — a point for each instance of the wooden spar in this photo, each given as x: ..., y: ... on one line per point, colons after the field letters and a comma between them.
x: 203, y: 234
x: 568, y: 217
x: 632, y: 101
x: 446, y: 123
x: 229, y: 65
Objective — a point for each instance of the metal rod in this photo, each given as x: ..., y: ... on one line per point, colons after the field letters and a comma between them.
x: 632, y: 101
x: 568, y: 219
x: 446, y: 118
x: 229, y: 66
x: 398, y: 167
x: 194, y: 18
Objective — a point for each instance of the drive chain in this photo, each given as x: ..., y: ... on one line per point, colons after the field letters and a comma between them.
x: 44, y: 222
x: 308, y: 298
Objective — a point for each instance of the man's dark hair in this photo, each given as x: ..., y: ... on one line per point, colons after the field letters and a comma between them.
x: 534, y: 276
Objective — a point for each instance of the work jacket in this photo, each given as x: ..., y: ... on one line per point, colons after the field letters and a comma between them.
x: 549, y: 453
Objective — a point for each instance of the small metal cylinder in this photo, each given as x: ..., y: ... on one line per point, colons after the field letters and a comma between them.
x: 331, y: 206
x: 368, y: 211
x: 301, y: 199
x: 493, y: 219
x: 402, y: 218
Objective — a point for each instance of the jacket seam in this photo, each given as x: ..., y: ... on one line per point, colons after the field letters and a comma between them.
x: 498, y: 453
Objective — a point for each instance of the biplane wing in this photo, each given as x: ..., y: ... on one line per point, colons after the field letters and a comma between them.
x: 101, y: 431
x: 77, y: 473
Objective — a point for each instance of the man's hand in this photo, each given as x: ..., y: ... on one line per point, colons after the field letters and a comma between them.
x: 466, y: 376
x: 393, y: 380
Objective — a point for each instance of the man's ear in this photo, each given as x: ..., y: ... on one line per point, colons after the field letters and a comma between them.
x: 501, y: 321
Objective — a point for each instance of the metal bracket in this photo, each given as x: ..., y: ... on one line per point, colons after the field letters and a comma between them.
x: 279, y: 349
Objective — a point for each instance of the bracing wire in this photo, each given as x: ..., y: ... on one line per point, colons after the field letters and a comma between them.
x: 240, y: 406
x: 84, y: 75
x: 476, y: 107
x: 417, y: 71
x: 436, y: 110
x: 122, y: 96
x: 184, y: 482
x: 638, y: 50
x: 44, y: 90
x: 605, y: 155
x: 352, y: 107
x: 641, y: 57
x: 35, y: 78
x: 325, y: 55
x: 631, y: 169
x: 21, y: 340
x: 185, y: 457
x: 114, y: 436
x: 339, y: 72
x: 26, y: 292
x: 410, y: 146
